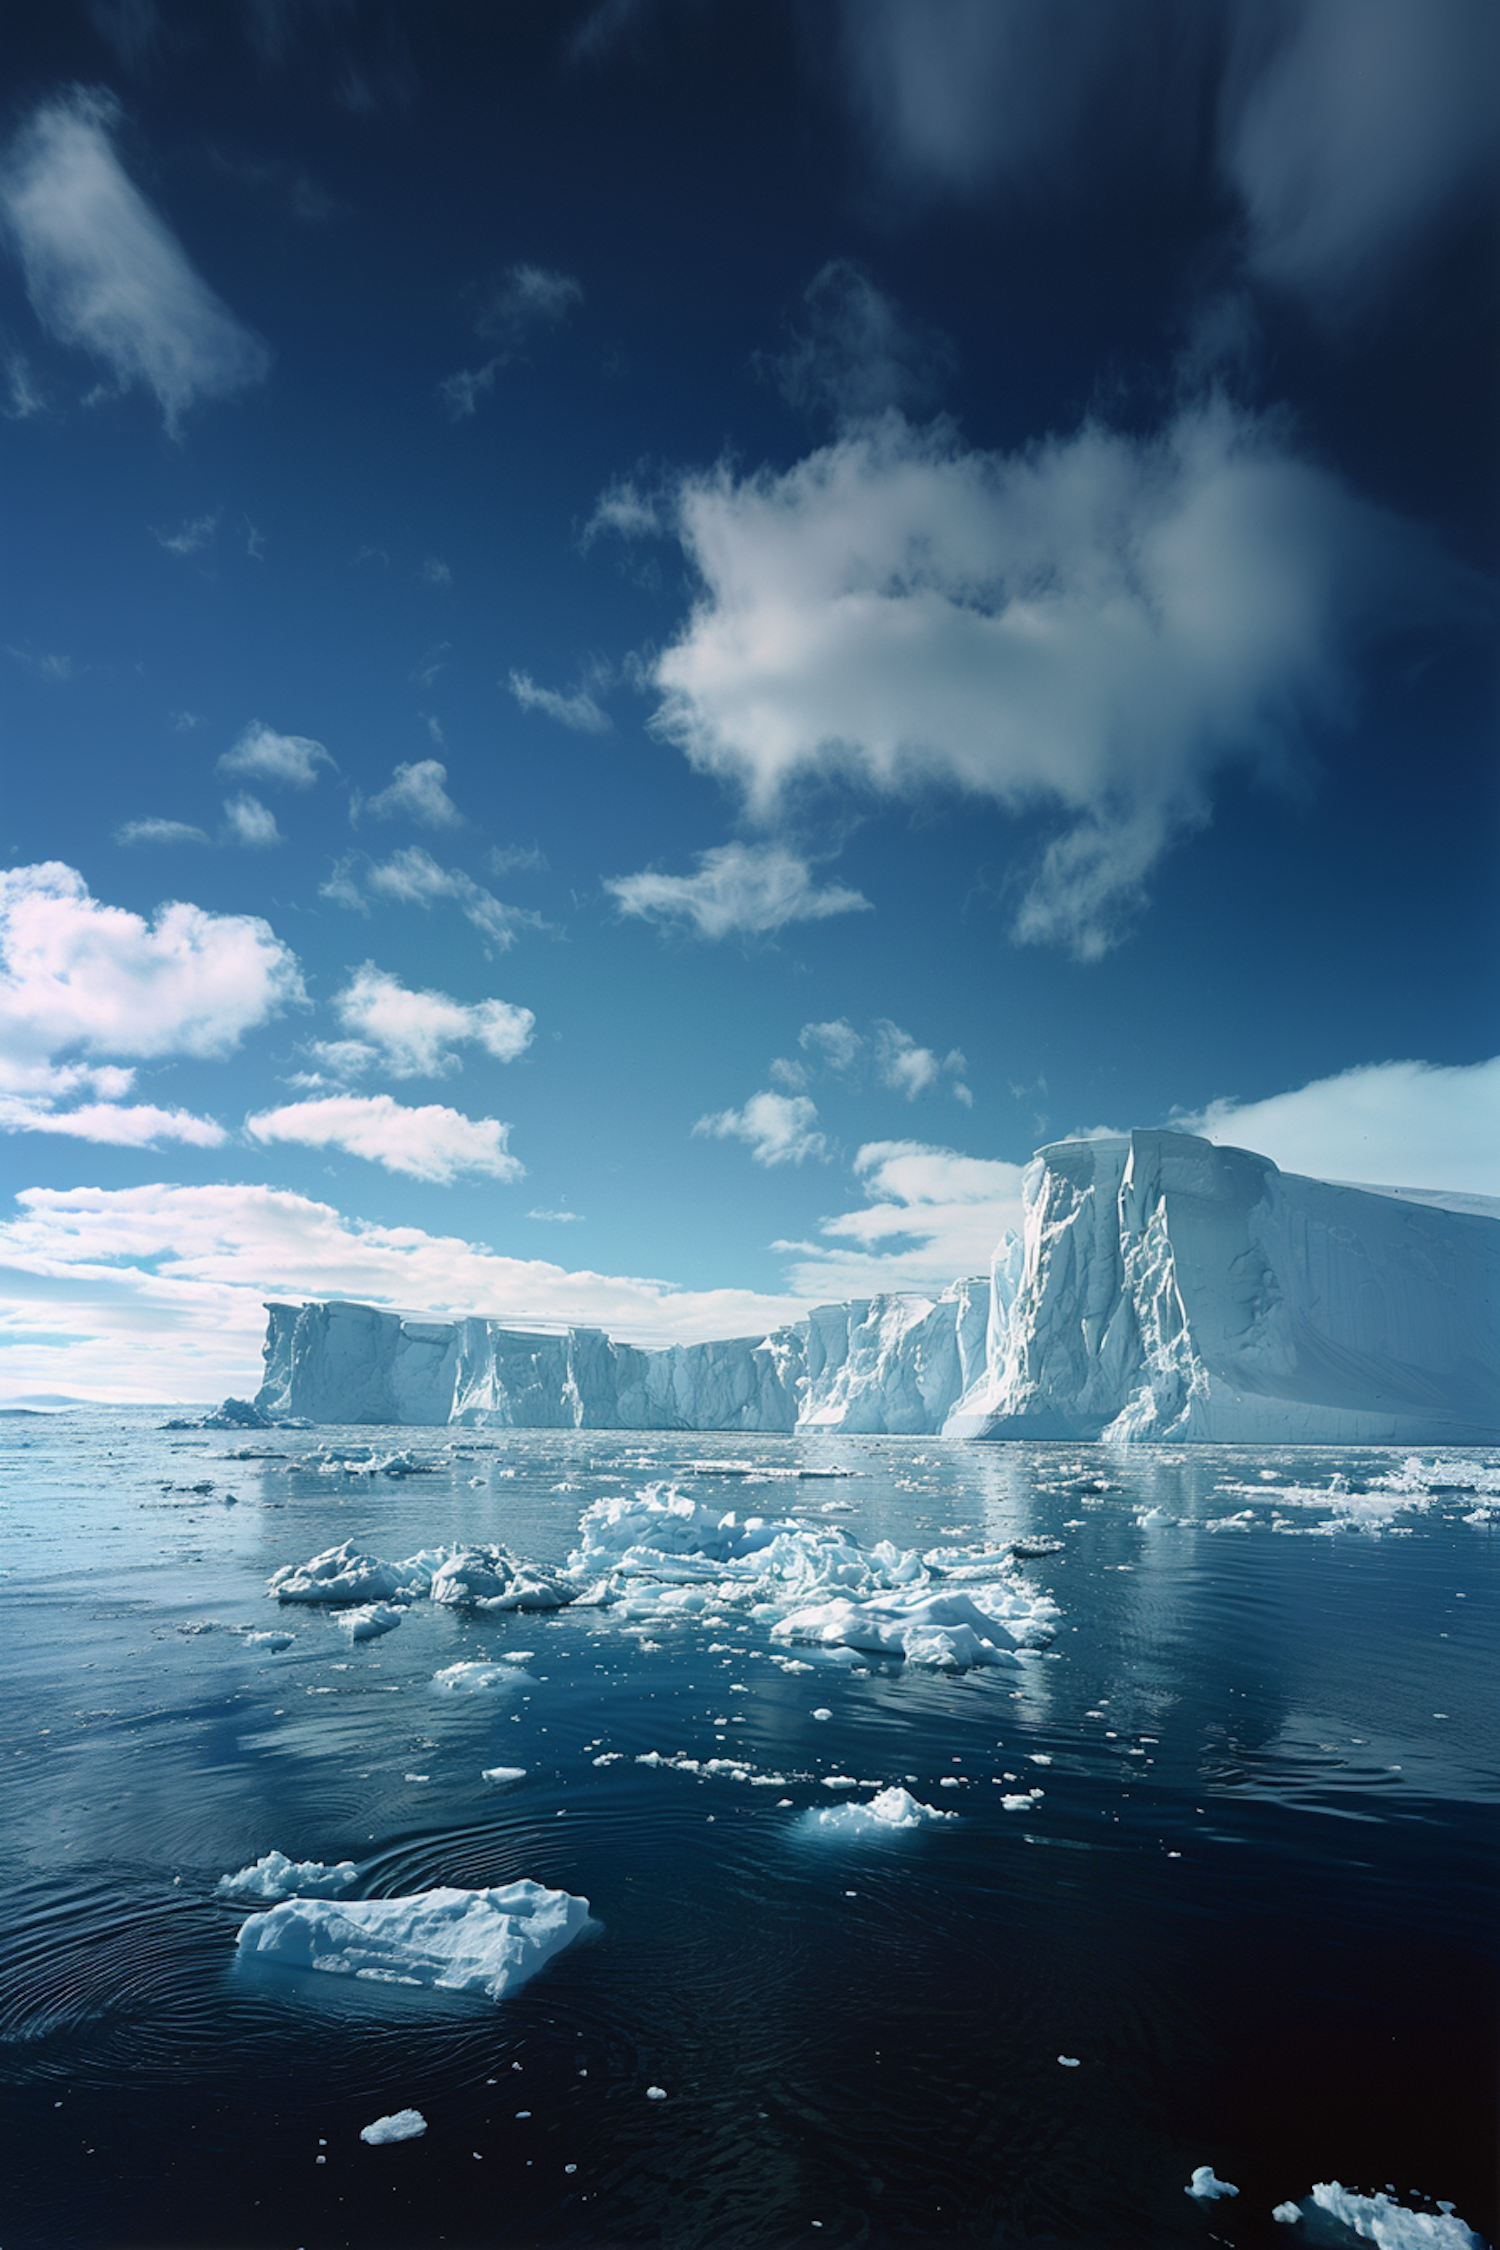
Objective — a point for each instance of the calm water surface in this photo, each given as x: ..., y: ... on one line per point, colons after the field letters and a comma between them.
x: 1256, y: 1900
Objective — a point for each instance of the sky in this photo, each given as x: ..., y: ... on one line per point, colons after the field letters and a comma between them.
x: 642, y: 643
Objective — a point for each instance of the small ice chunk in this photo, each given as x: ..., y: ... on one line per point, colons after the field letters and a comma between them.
x: 822, y: 1712
x: 893, y: 1810
x: 401, y: 2125
x: 1069, y: 2062
x: 453, y: 1940
x: 489, y: 1578
x: 501, y: 1774
x: 370, y: 1620
x: 1391, y: 2226
x: 656, y: 2093
x: 478, y: 1679
x: 270, y: 1641
x: 1205, y: 2187
x: 1289, y: 2214
x: 274, y: 1876
x: 339, y: 1574
x: 840, y: 1781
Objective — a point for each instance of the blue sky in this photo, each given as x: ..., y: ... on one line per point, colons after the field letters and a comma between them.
x: 643, y: 643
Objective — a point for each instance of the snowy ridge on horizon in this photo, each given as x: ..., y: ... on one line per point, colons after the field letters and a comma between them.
x: 1165, y: 1289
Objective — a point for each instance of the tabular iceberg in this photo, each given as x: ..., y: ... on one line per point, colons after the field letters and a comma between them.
x: 1170, y: 1290
x: 1164, y: 1289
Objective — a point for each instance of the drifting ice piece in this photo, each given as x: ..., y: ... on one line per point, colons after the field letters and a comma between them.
x: 490, y: 1578
x: 401, y: 2125
x: 891, y: 1812
x: 1392, y: 2226
x: 339, y: 1574
x: 451, y: 1940
x: 274, y: 1876
x: 1205, y: 2187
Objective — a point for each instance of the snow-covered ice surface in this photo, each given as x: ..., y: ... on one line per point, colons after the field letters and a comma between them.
x: 490, y: 1942
x: 1190, y: 1849
x: 1391, y: 2225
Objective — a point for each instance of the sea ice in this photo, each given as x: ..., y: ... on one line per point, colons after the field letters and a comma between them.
x: 1206, y: 2187
x: 893, y: 1811
x: 502, y: 1774
x: 490, y: 1578
x: 401, y: 2125
x: 949, y: 1631
x: 274, y: 1876
x: 339, y: 1574
x: 478, y: 1679
x: 1392, y: 2226
x: 270, y: 1641
x: 451, y: 1940
x: 1288, y: 2214
x: 370, y: 1620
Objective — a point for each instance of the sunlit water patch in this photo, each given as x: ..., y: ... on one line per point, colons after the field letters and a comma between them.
x: 977, y: 1842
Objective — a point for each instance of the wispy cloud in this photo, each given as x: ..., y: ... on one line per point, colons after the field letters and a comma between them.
x: 105, y: 273
x: 854, y: 353
x: 414, y: 878
x: 527, y: 302
x: 931, y: 1214
x: 558, y: 1218
x: 151, y: 830
x: 51, y: 665
x: 20, y: 394
x: 739, y: 890
x: 433, y: 571
x: 1396, y: 1124
x: 896, y: 1059
x: 112, y: 1124
x: 420, y: 792
x: 262, y: 753
x: 412, y: 1034
x: 776, y: 1128
x: 577, y: 710
x: 191, y: 537
x: 428, y: 1143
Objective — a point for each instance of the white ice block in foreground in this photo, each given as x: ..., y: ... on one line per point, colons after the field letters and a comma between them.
x: 370, y: 1620
x: 475, y: 1678
x: 1391, y: 2226
x: 490, y: 1942
x: 892, y: 1812
x: 401, y: 2125
x: 274, y: 1876
x: 1205, y: 2187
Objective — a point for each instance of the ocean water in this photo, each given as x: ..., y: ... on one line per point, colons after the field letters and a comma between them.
x: 1254, y: 1904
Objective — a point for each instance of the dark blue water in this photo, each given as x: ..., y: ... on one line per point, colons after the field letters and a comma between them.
x: 1256, y: 1901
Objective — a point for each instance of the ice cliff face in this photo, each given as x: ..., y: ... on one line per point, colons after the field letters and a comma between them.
x: 1164, y: 1290
x: 885, y: 1365
x: 1170, y: 1290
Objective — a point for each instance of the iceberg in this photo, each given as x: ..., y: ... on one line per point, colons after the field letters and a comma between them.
x: 1163, y: 1289
x: 275, y: 1877
x: 1168, y: 1290
x: 892, y: 1366
x: 401, y: 2125
x: 1392, y: 2226
x: 489, y: 1578
x: 488, y: 1942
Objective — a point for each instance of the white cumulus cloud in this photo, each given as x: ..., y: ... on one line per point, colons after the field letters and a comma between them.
x: 104, y: 271
x: 248, y: 821
x: 1093, y: 627
x: 739, y: 890
x: 426, y: 1143
x: 116, y: 1124
x: 420, y: 791
x: 776, y: 1128
x: 80, y: 977
x: 413, y: 1034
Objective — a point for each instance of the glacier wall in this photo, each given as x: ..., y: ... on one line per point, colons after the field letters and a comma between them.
x: 892, y: 1366
x: 1166, y: 1289
x: 1163, y: 1289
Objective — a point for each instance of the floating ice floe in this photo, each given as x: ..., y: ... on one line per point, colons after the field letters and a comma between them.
x: 272, y: 1642
x: 487, y: 1942
x: 475, y: 1678
x: 1205, y: 2187
x: 343, y: 1575
x: 274, y: 1876
x: 1392, y: 2226
x: 490, y: 1578
x: 499, y: 1775
x: 370, y: 1620
x: 892, y: 1812
x: 661, y: 1554
x: 401, y: 2125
